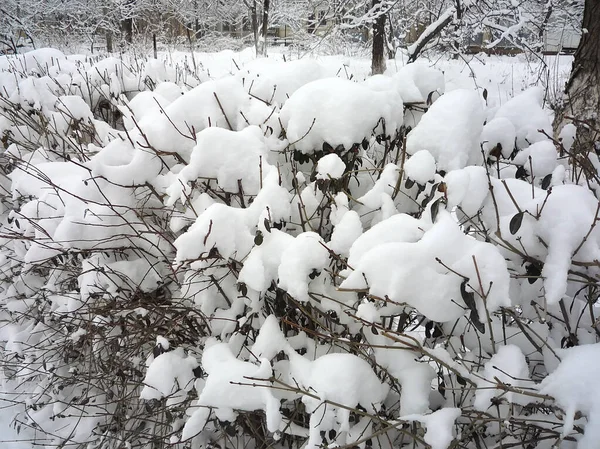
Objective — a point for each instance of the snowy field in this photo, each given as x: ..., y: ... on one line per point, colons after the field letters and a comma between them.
x: 223, y: 182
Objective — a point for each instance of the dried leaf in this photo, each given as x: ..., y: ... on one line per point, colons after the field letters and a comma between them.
x: 546, y: 181
x: 515, y: 223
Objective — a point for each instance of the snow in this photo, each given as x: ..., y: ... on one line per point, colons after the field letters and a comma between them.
x: 499, y: 131
x: 539, y: 159
x: 428, y: 80
x: 306, y: 253
x: 450, y: 130
x: 567, y: 135
x: 252, y: 239
x: 439, y: 424
x: 508, y: 366
x: 338, y: 112
x: 343, y: 379
x: 330, y: 166
x: 573, y: 385
x: 527, y: 115
x: 420, y: 167
x: 229, y: 386
x: 233, y: 158
x: 399, y: 270
x: 167, y: 374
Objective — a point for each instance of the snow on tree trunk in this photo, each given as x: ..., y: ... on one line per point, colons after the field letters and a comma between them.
x: 582, y: 92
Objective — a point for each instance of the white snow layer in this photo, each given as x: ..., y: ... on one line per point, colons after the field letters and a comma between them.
x: 450, y: 130
x: 338, y: 112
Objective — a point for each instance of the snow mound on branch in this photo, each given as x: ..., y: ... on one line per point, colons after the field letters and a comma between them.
x: 232, y: 385
x: 275, y: 81
x: 526, y: 113
x: 439, y: 424
x: 543, y: 158
x: 223, y: 103
x: 262, y: 265
x: 305, y: 254
x: 169, y: 375
x: 401, y: 270
x: 74, y: 108
x: 338, y: 112
x: 33, y: 62
x: 450, y: 130
x: 574, y: 385
x: 144, y: 103
x: 397, y: 228
x: 499, y: 131
x: 231, y: 230
x: 344, y: 379
x: 467, y: 188
x: 270, y: 340
x: 567, y: 216
x: 420, y: 167
x: 233, y: 158
x: 426, y: 79
x: 330, y: 166
x: 345, y: 233
x: 509, y: 367
x: 402, y: 363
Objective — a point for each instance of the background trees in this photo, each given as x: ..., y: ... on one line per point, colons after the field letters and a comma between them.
x: 455, y: 26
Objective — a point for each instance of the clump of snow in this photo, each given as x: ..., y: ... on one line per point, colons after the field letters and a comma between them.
x: 450, y: 130
x: 275, y: 81
x: 223, y: 103
x: 270, y: 340
x: 343, y: 379
x: 231, y: 385
x: 527, y: 115
x: 169, y: 375
x: 338, y: 112
x: 428, y: 80
x: 234, y: 159
x: 567, y: 135
x: 401, y: 270
x: 508, y: 366
x: 345, y: 233
x: 439, y: 425
x: 539, y: 159
x: 330, y: 166
x: 561, y: 219
x: 499, y: 132
x: 574, y: 386
x: 467, y: 188
x: 420, y: 167
x: 307, y: 253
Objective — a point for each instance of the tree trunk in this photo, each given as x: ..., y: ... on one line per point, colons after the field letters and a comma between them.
x: 265, y: 26
x: 254, y: 19
x: 378, y: 58
x: 582, y: 92
x: 127, y: 28
x: 109, y: 42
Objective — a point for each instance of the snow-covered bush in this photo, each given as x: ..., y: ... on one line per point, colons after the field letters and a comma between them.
x: 265, y: 254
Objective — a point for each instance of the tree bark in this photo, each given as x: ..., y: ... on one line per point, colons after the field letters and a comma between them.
x: 109, y: 42
x: 254, y: 19
x: 265, y: 26
x: 582, y: 93
x: 127, y: 28
x: 378, y: 58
